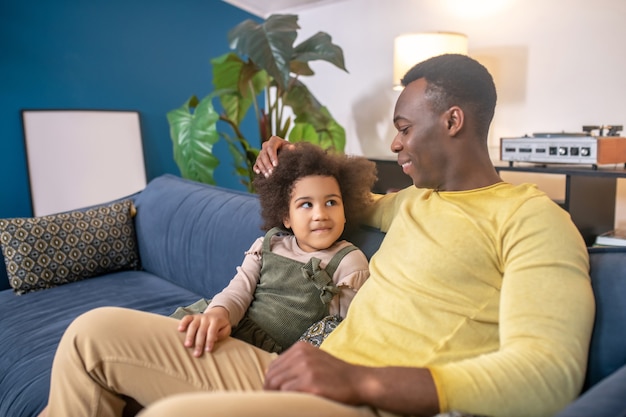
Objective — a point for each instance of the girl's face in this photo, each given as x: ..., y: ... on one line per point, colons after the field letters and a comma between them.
x: 316, y: 214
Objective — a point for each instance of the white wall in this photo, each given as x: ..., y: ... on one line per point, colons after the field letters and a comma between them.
x: 557, y: 64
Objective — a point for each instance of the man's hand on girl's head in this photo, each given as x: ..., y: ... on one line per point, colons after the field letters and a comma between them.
x: 268, y: 156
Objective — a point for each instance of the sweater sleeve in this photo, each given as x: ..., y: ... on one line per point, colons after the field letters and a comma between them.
x: 546, y: 318
x: 373, y: 216
x: 238, y: 295
x: 381, y: 213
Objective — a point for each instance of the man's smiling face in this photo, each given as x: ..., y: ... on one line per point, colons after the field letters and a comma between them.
x: 419, y: 141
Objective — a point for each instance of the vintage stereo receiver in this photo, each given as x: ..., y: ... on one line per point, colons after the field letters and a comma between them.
x: 566, y: 148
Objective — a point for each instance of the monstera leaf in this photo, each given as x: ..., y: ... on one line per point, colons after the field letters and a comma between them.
x: 193, y: 135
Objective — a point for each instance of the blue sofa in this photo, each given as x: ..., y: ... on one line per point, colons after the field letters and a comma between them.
x: 190, y: 238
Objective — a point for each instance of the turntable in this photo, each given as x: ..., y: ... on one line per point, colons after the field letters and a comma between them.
x: 580, y: 148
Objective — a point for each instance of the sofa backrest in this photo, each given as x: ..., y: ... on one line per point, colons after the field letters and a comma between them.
x: 193, y: 234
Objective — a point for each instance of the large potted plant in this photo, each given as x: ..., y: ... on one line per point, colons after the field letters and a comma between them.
x: 264, y: 74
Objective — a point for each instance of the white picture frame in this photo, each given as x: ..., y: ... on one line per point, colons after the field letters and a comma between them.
x: 80, y: 158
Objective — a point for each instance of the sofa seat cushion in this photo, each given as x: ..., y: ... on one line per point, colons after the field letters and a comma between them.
x: 28, y: 339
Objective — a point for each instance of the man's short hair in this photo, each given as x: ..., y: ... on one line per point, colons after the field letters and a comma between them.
x: 455, y: 79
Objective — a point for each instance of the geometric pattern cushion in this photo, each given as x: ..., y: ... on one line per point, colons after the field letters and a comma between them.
x: 47, y: 251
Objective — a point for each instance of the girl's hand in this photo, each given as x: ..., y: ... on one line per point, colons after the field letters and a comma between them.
x: 204, y: 330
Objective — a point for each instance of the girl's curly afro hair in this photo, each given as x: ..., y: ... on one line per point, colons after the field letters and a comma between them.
x: 355, y: 176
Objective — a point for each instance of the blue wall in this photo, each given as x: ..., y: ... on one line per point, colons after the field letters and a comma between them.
x: 145, y: 55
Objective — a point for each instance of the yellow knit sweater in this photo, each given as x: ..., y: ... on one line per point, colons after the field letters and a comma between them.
x: 488, y: 288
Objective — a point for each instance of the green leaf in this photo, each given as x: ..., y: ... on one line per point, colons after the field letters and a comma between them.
x: 226, y: 71
x: 243, y: 80
x: 305, y: 106
x: 319, y: 47
x: 333, y: 136
x: 301, y: 68
x: 307, y: 109
x: 193, y: 135
x: 328, y: 133
x: 269, y: 45
x: 304, y: 132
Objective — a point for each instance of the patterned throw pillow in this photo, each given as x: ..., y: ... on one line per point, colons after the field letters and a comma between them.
x: 319, y: 331
x: 44, y: 252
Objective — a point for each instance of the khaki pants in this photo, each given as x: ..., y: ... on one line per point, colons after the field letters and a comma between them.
x: 111, y: 352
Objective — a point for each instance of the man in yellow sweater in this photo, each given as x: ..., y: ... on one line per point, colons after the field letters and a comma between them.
x: 478, y: 300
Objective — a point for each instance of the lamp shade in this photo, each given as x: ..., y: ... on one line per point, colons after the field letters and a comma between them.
x: 413, y: 48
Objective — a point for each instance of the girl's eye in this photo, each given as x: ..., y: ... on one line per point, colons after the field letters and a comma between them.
x: 306, y: 205
x: 403, y: 130
x: 331, y: 203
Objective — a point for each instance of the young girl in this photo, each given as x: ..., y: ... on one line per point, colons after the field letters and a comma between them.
x: 300, y: 271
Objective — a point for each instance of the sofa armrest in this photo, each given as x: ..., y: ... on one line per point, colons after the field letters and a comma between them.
x: 607, y: 351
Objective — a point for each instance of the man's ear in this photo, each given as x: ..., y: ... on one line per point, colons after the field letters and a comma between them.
x: 455, y: 120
